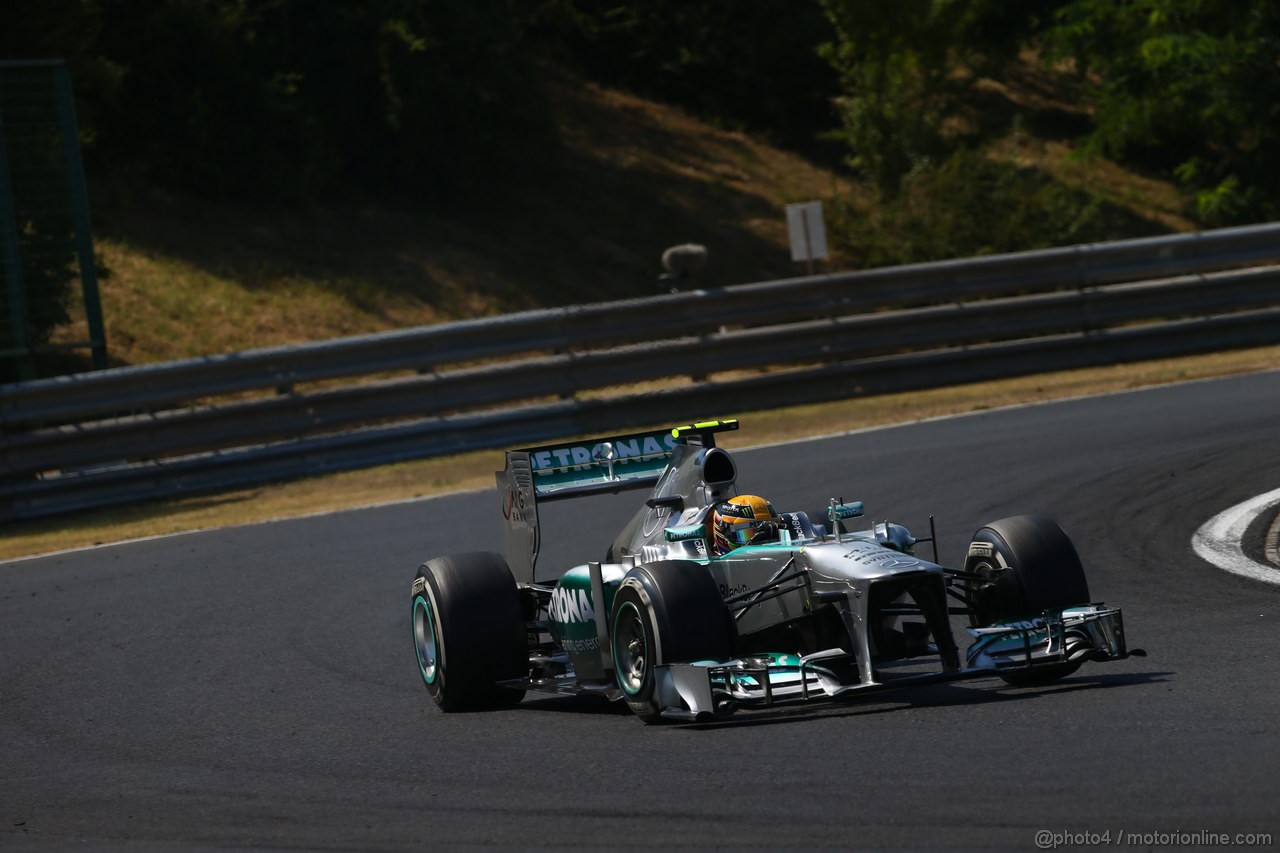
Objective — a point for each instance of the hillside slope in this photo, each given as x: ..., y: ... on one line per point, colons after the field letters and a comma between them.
x: 188, y: 277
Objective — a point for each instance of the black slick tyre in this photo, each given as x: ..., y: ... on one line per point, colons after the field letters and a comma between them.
x: 1025, y: 565
x: 468, y: 631
x: 665, y: 613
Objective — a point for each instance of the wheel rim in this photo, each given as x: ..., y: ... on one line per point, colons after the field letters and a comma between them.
x: 424, y: 639
x: 630, y: 648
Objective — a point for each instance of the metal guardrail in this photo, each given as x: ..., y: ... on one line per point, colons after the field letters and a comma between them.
x: 133, y: 433
x: 83, y: 396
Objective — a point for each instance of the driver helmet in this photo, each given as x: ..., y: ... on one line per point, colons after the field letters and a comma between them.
x: 736, y: 522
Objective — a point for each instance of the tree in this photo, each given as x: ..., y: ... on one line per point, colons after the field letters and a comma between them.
x: 907, y: 71
x: 285, y: 99
x: 749, y: 64
x: 1188, y: 84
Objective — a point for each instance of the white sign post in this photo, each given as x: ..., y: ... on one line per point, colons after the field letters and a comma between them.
x: 808, y: 234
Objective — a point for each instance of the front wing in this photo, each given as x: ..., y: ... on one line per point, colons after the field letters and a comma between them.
x: 708, y: 690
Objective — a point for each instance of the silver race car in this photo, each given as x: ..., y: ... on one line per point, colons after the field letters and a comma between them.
x: 710, y: 601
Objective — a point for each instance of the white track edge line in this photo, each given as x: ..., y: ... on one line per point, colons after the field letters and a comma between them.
x: 1218, y: 539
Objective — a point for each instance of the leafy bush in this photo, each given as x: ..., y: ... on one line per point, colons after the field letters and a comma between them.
x: 1188, y: 86
x: 970, y: 205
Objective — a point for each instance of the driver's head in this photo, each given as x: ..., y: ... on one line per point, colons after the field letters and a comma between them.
x: 736, y: 522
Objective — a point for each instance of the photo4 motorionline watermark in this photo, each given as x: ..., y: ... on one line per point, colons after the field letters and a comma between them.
x: 1051, y: 840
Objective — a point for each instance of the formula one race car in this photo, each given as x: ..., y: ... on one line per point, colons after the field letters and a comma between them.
x: 710, y: 601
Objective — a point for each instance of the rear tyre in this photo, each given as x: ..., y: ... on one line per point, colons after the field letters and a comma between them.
x: 468, y: 631
x: 1025, y: 565
x: 665, y: 613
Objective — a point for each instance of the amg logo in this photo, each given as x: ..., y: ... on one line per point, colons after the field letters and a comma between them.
x: 515, y: 508
x: 571, y: 605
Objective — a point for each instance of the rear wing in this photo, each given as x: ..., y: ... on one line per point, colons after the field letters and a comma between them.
x: 580, y: 468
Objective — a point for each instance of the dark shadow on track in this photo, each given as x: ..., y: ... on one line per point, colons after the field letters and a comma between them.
x: 577, y: 705
x: 938, y: 696
x: 932, y: 696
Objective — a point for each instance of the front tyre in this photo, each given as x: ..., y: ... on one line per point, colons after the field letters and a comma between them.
x: 665, y: 613
x: 468, y: 631
x: 1025, y: 565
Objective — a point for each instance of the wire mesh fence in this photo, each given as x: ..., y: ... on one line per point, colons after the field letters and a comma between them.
x: 48, y: 281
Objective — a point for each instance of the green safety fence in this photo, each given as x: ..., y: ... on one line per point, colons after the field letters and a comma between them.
x: 49, y: 306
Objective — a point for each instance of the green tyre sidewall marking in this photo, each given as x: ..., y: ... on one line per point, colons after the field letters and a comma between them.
x: 420, y: 603
x: 623, y: 678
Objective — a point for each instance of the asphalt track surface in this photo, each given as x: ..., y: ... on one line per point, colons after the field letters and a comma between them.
x: 255, y: 688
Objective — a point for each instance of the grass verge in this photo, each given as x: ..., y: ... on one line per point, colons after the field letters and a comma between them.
x: 410, y: 480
